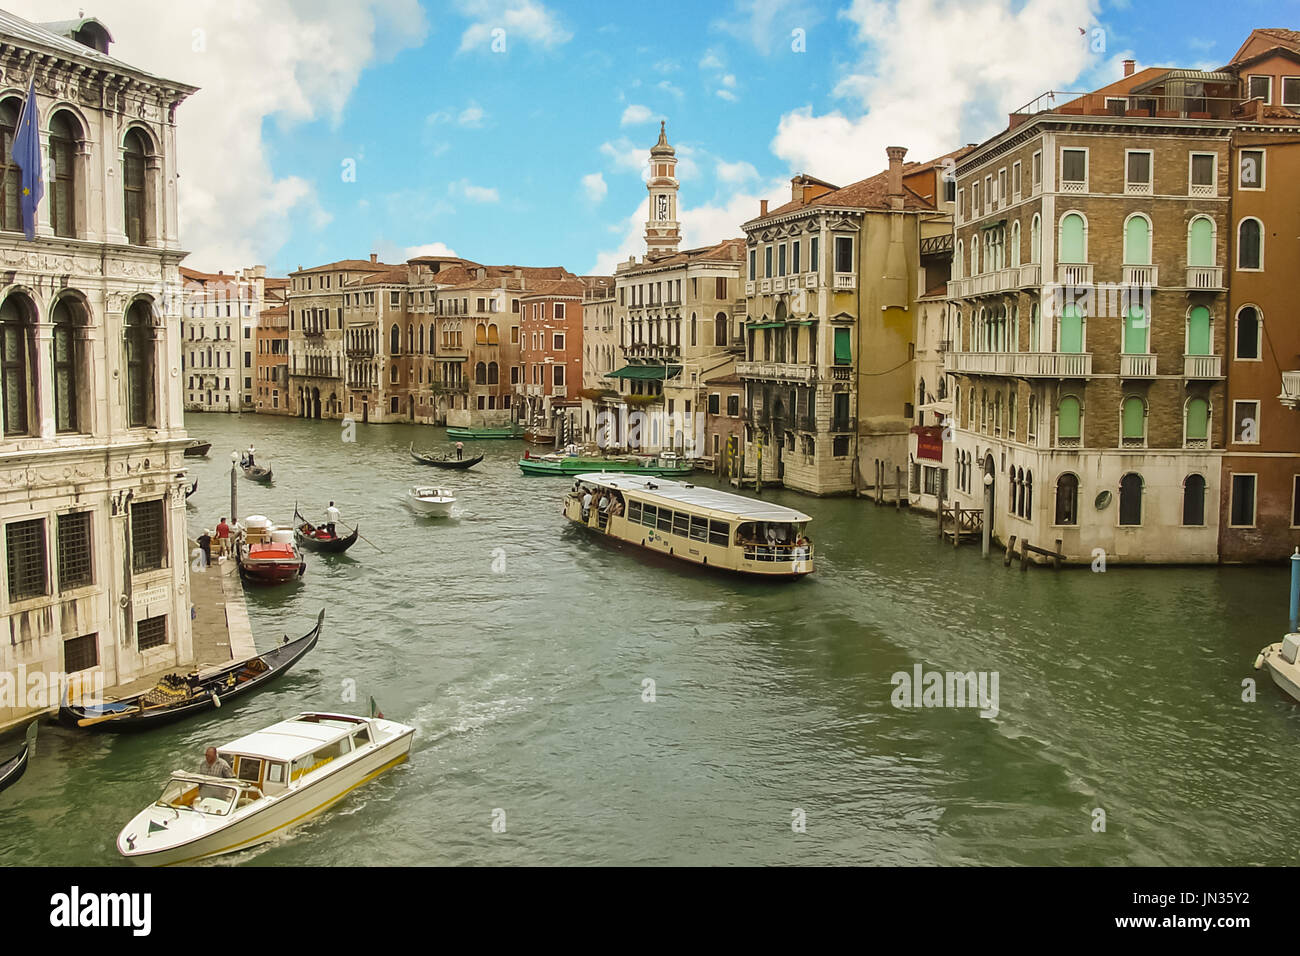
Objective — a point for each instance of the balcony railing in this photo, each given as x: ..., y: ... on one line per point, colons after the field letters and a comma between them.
x: 1141, y: 276
x: 1031, y: 274
x: 778, y: 284
x: 1022, y: 364
x: 1290, y: 396
x: 1074, y: 273
x: 777, y: 371
x: 1205, y: 277
x: 1137, y: 366
x: 844, y: 425
x: 1202, y: 366
x: 845, y: 282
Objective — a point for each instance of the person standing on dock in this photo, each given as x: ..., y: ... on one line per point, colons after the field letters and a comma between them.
x: 460, y: 450
x: 223, y: 536
x: 331, y: 516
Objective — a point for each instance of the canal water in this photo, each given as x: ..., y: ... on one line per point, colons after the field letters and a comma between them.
x: 521, y: 649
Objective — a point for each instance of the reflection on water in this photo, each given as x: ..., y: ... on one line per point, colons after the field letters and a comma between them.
x: 520, y: 647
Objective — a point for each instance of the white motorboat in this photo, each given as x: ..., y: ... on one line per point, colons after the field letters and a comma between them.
x: 1283, y: 663
x: 427, y: 500
x: 286, y: 773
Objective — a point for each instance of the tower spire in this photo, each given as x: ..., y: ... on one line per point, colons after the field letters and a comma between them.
x: 662, y: 234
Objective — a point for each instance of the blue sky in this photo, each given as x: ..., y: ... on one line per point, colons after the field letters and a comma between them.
x: 532, y: 155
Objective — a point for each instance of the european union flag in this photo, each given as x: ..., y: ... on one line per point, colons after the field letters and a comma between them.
x: 27, y: 157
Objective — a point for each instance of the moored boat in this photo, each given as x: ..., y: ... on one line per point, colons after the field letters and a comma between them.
x: 664, y: 466
x: 428, y: 500
x: 13, y: 768
x: 443, y: 461
x: 1282, y: 660
x: 699, y: 525
x: 192, y: 488
x: 319, y: 538
x: 456, y: 433
x: 539, y: 436
x: 176, y: 698
x: 197, y: 449
x: 286, y: 773
x: 267, y: 555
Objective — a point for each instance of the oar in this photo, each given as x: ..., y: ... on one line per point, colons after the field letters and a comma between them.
x: 371, y: 543
x: 87, y: 721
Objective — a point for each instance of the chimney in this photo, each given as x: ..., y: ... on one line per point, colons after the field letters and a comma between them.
x: 1129, y: 67
x: 482, y: 273
x: 895, y: 182
x: 374, y: 257
x: 762, y: 207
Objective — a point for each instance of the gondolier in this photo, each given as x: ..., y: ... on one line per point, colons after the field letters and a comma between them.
x: 460, y: 450
x: 331, y: 517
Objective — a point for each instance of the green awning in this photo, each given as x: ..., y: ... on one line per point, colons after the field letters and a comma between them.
x: 767, y: 325
x: 652, y: 372
x: 804, y: 323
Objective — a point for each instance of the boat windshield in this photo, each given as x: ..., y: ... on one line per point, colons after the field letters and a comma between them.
x: 186, y: 794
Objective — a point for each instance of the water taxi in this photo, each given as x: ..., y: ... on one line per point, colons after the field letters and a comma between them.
x: 1283, y: 663
x: 284, y: 774
x: 700, y: 525
x: 432, y: 501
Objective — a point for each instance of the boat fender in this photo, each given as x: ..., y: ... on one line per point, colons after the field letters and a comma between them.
x: 1259, y: 660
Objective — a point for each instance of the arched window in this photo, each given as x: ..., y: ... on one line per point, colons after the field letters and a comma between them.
x: 693, y: 333
x: 141, y: 367
x: 410, y: 338
x: 421, y: 336
x: 480, y: 335
x: 16, y: 365
x: 480, y: 372
x: 493, y: 336
x: 1068, y: 415
x: 1135, y: 331
x: 1035, y: 328
x: 1067, y: 499
x: 720, y: 330
x: 1137, y: 241
x: 135, y: 151
x: 1071, y: 329
x: 1036, y: 240
x: 1200, y: 241
x: 9, y: 218
x: 65, y: 134
x: 1029, y: 495
x: 1198, y: 331
x: 1248, y: 333
x: 1130, y: 499
x: 66, y: 352
x: 1133, y: 422
x: 959, y: 260
x: 1032, y: 425
x: 1012, y: 500
x: 1194, y: 500
x: 1196, y: 427
x: 974, y: 256
x: 1250, y: 244
x: 1073, y: 246
x: 1015, y: 243
x: 493, y: 374
x: 394, y: 341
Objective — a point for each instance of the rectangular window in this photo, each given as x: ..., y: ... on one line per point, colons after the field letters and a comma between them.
x: 25, y: 549
x: 715, y: 403
x: 151, y: 632
x: 81, y: 653
x: 557, y: 373
x: 720, y: 533
x: 1036, y: 170
x: 733, y: 405
x: 843, y: 253
x: 634, y: 512
x: 814, y: 259
x: 753, y: 268
x: 843, y: 348
x: 720, y: 282
x: 74, y: 551
x: 557, y: 341
x: 1291, y: 91
x: 699, y: 529
x: 681, y: 523
x: 1245, y: 422
x: 649, y: 515
x: 1137, y: 171
x: 780, y: 259
x: 665, y: 522
x: 1002, y: 186
x: 1259, y: 88
x: 148, y: 536
x: 394, y: 300
x: 1243, y: 501
x: 1250, y: 169
x: 767, y: 262
x: 1074, y: 169
x: 1202, y: 174
x: 1015, y: 181
x: 559, y: 310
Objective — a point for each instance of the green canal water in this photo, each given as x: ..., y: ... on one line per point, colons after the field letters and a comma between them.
x: 519, y: 648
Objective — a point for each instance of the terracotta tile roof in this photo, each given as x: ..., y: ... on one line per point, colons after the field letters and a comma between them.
x: 344, y: 265
x: 275, y: 282
x: 869, y: 193
x: 550, y: 288
x: 279, y: 310
x: 392, y: 275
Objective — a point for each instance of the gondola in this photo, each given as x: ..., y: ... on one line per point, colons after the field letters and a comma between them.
x: 176, y: 697
x: 443, y: 461
x: 192, y: 488
x: 13, y: 768
x: 197, y: 449
x: 258, y: 473
x: 308, y: 536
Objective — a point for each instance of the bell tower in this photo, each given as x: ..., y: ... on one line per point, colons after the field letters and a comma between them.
x: 662, y: 235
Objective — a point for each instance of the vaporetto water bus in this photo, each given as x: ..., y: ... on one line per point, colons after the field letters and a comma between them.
x: 696, y: 524
x: 282, y: 775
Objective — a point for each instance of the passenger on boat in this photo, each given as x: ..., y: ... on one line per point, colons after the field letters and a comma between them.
x: 586, y: 504
x: 616, y: 506
x: 214, y: 766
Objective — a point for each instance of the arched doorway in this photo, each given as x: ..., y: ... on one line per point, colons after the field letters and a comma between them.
x: 314, y: 410
x: 777, y: 445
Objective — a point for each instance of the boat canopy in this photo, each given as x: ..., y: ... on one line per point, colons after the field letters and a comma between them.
x: 294, y: 738
x: 651, y: 372
x: 701, y: 500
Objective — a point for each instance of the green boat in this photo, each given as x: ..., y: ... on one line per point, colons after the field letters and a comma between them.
x: 500, y: 431
x: 663, y: 466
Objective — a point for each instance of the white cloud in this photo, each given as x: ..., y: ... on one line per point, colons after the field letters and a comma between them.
x: 593, y: 184
x: 735, y: 172
x: 727, y: 95
x: 636, y: 114
x: 519, y: 19
x: 666, y: 66
x: 287, y: 62
x: 933, y: 90
x: 428, y: 249
x: 669, y: 89
x: 471, y: 115
x: 767, y: 24
x: 628, y: 156
x: 729, y: 81
x: 710, y: 61
x: 467, y: 190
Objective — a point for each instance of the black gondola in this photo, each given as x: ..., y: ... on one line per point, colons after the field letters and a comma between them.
x: 305, y: 533
x: 176, y: 698
x: 197, y: 449
x: 192, y: 488
x: 13, y: 768
x: 258, y: 473
x: 443, y: 461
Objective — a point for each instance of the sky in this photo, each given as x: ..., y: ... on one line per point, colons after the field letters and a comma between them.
x: 517, y: 131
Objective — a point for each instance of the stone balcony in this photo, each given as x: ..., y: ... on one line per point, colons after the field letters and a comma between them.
x: 1074, y: 273
x: 1021, y: 364
x: 1209, y: 278
x: 1290, y: 396
x: 777, y: 372
x: 844, y: 282
x: 1147, y: 276
x: 1203, y: 366
x: 1137, y: 366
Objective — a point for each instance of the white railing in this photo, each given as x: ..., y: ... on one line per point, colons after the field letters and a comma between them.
x: 780, y: 371
x: 1074, y: 273
x: 1202, y: 190
x: 1031, y: 274
x: 1137, y: 366
x: 1025, y: 364
x: 1290, y: 396
x: 1202, y: 366
x: 1137, y: 189
x: 1141, y: 275
x: 845, y: 282
x: 1071, y: 186
x: 1205, y: 277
